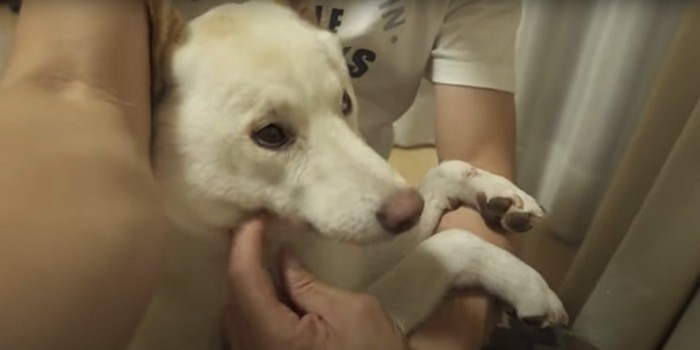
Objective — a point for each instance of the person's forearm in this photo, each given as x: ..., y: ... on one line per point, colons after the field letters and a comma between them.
x: 80, y: 224
x: 84, y: 49
x: 80, y: 231
x: 477, y: 126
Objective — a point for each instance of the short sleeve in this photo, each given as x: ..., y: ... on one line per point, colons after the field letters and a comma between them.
x: 475, y: 45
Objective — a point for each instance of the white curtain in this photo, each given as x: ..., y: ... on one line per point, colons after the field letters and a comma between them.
x: 633, y: 283
x: 585, y: 69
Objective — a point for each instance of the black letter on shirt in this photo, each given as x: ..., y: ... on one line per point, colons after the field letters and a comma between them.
x: 393, y: 18
x: 358, y: 65
x: 335, y: 21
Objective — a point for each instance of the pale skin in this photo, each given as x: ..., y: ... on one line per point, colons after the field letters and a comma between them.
x: 477, y: 126
x: 74, y: 141
x: 80, y: 229
x: 327, y: 317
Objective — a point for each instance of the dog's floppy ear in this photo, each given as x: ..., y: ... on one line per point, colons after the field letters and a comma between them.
x: 305, y: 8
x: 167, y: 30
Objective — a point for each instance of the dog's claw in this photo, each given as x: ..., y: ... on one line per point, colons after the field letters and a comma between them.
x: 518, y: 222
x: 510, y: 213
x: 499, y: 205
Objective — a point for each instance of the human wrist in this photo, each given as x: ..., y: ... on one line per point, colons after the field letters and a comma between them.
x: 470, y: 220
x: 464, y: 320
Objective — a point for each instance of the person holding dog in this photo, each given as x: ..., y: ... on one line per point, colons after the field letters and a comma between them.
x: 80, y: 224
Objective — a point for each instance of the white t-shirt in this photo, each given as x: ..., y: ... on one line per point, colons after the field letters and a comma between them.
x: 390, y: 45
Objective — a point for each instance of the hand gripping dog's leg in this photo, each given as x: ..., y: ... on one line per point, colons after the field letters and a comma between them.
x: 457, y: 258
x: 452, y: 184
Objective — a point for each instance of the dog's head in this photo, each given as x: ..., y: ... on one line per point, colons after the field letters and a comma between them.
x: 259, y: 112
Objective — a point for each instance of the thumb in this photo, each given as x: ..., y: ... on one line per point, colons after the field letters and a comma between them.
x: 306, y: 292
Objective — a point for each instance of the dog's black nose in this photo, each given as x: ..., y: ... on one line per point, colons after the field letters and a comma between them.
x: 401, y: 211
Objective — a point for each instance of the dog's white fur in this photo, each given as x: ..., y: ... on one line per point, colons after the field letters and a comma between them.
x: 241, y: 67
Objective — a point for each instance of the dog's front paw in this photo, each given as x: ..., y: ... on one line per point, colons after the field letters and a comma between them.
x: 540, y: 306
x: 506, y: 207
x: 503, y: 205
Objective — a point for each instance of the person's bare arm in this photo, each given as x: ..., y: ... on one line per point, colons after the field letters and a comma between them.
x: 96, y: 51
x: 477, y: 126
x: 80, y: 224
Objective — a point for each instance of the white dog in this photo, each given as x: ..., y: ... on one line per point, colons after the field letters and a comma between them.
x: 258, y: 112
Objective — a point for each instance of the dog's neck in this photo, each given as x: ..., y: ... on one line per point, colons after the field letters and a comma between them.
x: 205, y: 221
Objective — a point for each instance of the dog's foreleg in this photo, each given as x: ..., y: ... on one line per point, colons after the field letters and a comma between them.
x: 452, y: 184
x: 456, y: 258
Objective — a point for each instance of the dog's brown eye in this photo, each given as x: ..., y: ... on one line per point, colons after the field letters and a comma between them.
x: 346, y: 104
x: 271, y: 136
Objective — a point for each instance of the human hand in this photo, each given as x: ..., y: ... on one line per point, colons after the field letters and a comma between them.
x: 329, y: 319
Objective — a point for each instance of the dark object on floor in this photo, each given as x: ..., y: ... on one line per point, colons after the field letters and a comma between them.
x: 521, y: 336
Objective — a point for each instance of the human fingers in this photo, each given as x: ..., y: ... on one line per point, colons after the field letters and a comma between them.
x: 312, y: 296
x: 251, y: 286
